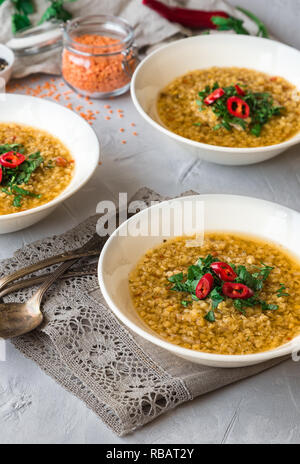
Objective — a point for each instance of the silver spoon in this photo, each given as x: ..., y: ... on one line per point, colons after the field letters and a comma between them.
x: 19, y: 318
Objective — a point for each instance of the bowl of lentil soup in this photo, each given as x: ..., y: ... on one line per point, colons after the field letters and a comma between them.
x: 232, y: 300
x: 227, y: 100
x: 47, y: 153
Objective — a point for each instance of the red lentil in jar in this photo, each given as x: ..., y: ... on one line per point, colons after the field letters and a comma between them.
x: 99, y: 56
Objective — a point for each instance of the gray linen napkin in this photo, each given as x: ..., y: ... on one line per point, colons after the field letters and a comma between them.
x: 124, y: 379
x: 150, y: 28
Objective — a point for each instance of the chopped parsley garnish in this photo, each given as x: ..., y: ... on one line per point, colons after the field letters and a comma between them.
x: 281, y: 291
x: 14, y: 177
x: 238, y: 106
x: 242, y: 280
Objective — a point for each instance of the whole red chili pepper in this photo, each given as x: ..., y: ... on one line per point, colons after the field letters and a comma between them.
x: 238, y: 107
x: 223, y: 271
x: 195, y: 19
x: 239, y: 90
x: 11, y: 159
x: 235, y: 290
x: 204, y: 286
x: 212, y: 97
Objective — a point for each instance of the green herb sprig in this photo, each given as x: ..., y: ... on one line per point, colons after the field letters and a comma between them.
x: 187, y: 283
x: 20, y: 19
x: 12, y: 178
x: 237, y: 25
x: 261, y: 105
x: 229, y: 24
x: 282, y: 291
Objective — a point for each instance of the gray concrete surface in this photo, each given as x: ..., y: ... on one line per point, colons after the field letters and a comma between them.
x: 263, y: 409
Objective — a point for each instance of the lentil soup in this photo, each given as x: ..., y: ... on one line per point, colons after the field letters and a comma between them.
x: 231, y: 107
x: 170, y: 291
x: 35, y: 167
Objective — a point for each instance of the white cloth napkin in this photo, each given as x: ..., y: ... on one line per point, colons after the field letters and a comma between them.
x: 150, y: 28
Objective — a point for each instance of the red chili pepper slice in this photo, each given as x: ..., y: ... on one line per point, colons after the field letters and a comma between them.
x: 212, y: 97
x: 12, y: 159
x: 204, y: 286
x: 1, y: 174
x: 224, y: 271
x: 235, y: 290
x: 60, y: 161
x: 238, y: 107
x: 239, y: 90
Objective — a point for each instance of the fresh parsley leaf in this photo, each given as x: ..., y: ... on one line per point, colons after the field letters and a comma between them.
x: 204, y: 263
x: 261, y: 106
x: 228, y: 24
x: 11, y: 147
x: 56, y: 11
x: 185, y: 303
x: 194, y: 272
x: 268, y: 307
x: 24, y: 6
x: 216, y: 296
x: 238, y: 304
x: 246, y: 278
x: 262, y: 29
x: 17, y: 201
x: 12, y: 178
x: 176, y: 277
x: 263, y: 272
x: 21, y: 191
x: 210, y: 316
x: 281, y: 291
x: 19, y: 22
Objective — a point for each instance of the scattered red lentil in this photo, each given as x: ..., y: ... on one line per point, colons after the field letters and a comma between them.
x: 134, y: 133
x: 107, y: 117
x: 123, y: 141
x: 122, y: 130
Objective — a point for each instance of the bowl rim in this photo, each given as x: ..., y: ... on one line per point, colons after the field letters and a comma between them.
x: 246, y: 359
x: 64, y: 194
x: 234, y: 151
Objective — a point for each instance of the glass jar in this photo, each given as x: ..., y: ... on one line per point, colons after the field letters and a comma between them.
x: 99, y: 56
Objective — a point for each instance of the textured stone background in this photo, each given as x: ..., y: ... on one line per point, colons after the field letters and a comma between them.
x: 263, y: 409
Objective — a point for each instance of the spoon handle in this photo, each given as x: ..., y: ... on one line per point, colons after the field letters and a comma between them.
x: 83, y: 251
x: 37, y: 297
x: 31, y: 281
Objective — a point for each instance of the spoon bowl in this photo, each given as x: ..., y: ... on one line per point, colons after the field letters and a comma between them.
x: 18, y: 318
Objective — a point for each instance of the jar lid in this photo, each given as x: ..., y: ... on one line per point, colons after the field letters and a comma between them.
x: 37, y: 39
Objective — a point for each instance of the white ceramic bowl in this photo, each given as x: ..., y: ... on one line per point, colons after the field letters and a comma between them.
x: 70, y: 128
x: 221, y: 213
x: 182, y: 56
x: 9, y: 56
